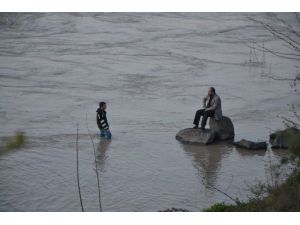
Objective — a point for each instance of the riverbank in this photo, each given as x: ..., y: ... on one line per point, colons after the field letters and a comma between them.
x: 278, y: 197
x: 284, y: 198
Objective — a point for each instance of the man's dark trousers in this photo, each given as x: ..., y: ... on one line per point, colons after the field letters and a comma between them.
x: 205, y: 114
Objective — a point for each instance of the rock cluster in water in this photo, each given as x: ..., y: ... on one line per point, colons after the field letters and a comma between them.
x: 223, y: 130
x: 281, y: 139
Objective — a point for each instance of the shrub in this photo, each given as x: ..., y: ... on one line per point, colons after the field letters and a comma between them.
x: 17, y: 141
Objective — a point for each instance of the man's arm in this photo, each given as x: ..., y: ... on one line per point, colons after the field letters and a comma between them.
x: 204, y: 101
x: 214, y: 105
x: 98, y: 120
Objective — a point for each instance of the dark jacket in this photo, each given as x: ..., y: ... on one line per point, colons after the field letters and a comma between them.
x: 101, y: 119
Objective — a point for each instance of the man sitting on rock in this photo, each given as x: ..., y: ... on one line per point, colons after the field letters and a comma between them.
x: 211, y: 108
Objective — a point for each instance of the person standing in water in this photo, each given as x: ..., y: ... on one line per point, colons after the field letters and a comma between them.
x: 102, y: 121
x: 211, y: 108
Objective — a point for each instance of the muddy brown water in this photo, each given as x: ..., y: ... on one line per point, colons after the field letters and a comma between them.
x: 153, y: 70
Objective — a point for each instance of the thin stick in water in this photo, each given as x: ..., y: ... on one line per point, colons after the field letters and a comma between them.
x: 78, y: 183
x: 97, y: 173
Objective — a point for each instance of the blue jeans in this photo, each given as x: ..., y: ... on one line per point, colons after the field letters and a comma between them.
x: 105, y: 133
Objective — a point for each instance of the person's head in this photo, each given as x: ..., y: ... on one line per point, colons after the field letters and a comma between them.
x: 102, y: 105
x: 211, y: 91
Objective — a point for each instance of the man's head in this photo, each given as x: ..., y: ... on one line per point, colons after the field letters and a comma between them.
x: 102, y: 105
x: 211, y: 91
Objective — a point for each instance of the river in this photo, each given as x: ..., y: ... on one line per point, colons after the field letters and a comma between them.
x: 152, y: 69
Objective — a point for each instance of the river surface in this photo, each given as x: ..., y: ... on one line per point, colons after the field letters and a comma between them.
x: 152, y: 69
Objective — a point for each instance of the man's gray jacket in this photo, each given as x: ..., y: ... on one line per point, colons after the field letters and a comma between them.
x: 214, y: 105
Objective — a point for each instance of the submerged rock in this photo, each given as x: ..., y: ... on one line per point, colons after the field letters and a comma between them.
x: 251, y: 145
x: 284, y: 138
x: 223, y: 128
x: 195, y: 136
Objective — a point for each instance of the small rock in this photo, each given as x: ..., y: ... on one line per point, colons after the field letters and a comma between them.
x: 251, y: 145
x: 223, y: 128
x: 195, y: 136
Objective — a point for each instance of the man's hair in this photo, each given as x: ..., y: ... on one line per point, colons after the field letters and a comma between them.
x: 213, y: 90
x: 101, y: 104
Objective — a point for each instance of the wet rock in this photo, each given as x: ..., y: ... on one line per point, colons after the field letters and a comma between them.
x: 284, y: 138
x: 251, y: 145
x: 195, y: 136
x: 223, y: 128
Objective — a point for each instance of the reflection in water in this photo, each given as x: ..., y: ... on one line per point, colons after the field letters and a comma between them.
x: 251, y: 153
x: 101, y: 153
x: 207, y: 160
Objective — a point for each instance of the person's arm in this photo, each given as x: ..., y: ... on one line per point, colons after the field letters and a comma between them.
x: 214, y: 105
x: 98, y: 120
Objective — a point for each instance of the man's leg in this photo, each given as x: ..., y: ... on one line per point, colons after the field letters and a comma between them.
x: 198, y: 114
x: 102, y: 132
x: 105, y: 133
x: 206, y: 114
x: 108, y: 134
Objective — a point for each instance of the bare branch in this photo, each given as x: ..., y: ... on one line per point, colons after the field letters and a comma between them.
x: 278, y: 78
x: 276, y: 53
x: 222, y: 192
x: 292, y: 30
x: 289, y: 123
x: 297, y: 17
x: 287, y: 46
x: 278, y: 34
x: 206, y: 184
x: 295, y: 112
x: 283, y: 37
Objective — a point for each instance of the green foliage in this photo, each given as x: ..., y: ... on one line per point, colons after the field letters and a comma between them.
x: 175, y: 210
x: 284, y: 160
x: 295, y: 148
x: 292, y: 136
x: 15, y: 142
x: 220, y: 207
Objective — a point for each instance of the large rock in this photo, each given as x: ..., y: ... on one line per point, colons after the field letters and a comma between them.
x: 284, y: 138
x: 195, y: 136
x: 223, y: 128
x: 251, y: 145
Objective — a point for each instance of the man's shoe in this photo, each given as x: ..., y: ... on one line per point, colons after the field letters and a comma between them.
x: 195, y: 127
x: 202, y: 128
